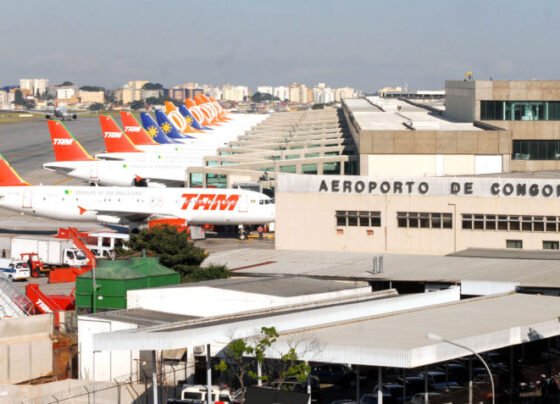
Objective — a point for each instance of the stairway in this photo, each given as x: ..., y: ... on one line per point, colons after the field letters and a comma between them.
x: 13, y: 302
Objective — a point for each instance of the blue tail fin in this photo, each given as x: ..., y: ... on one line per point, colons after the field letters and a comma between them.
x: 154, y: 130
x: 169, y: 127
x: 187, y: 114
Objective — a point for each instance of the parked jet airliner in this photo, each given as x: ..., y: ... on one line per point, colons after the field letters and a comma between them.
x: 133, y: 205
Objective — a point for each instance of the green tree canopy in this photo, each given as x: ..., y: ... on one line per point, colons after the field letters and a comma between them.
x: 18, y: 98
x: 67, y: 83
x: 176, y: 252
x: 154, y: 101
x: 92, y: 88
x: 137, y: 105
x: 96, y: 107
x: 152, y: 86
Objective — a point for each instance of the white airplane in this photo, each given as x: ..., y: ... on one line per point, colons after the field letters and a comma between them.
x: 73, y: 161
x: 133, y: 206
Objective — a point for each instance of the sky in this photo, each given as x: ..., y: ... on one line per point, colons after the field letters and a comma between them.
x: 365, y: 44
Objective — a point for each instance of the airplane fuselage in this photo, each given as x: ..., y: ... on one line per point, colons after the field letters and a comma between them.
x: 197, y: 206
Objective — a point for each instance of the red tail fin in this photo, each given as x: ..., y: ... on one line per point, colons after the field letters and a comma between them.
x: 115, y: 139
x: 65, y: 145
x: 8, y: 176
x: 135, y: 131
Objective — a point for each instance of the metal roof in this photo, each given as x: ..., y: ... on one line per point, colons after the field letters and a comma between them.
x: 140, y: 317
x: 399, y: 340
x: 283, y: 286
x: 542, y: 273
x: 222, y: 329
x: 383, y: 332
x: 377, y: 113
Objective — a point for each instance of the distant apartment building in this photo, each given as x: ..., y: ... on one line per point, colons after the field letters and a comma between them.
x: 92, y: 97
x: 298, y: 93
x: 32, y: 86
x: 234, y: 93
x: 131, y: 91
x: 66, y: 95
x: 281, y: 92
x: 323, y: 94
x: 155, y: 93
x: 4, y: 103
x: 265, y: 90
x: 344, y: 92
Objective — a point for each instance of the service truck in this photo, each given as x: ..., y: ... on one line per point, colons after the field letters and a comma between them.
x: 53, y: 252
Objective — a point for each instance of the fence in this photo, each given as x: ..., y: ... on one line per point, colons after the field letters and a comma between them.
x: 137, y: 388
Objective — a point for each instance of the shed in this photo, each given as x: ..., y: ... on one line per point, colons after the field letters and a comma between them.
x: 115, y: 278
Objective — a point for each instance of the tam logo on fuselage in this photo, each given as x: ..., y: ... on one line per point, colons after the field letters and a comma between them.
x: 63, y: 142
x: 209, y: 201
x: 113, y: 135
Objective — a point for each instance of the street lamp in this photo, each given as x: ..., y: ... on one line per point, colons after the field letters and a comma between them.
x: 436, y: 337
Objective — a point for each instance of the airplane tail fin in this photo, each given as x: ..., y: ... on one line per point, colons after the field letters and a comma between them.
x: 135, y: 131
x: 184, y: 125
x: 190, y: 117
x: 66, y: 147
x: 116, y: 141
x: 169, y: 127
x: 154, y: 130
x: 196, y: 113
x: 8, y: 176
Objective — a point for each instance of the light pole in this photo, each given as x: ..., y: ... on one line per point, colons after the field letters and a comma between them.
x: 436, y: 337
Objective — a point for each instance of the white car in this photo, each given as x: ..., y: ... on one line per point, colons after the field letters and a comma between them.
x: 15, y: 270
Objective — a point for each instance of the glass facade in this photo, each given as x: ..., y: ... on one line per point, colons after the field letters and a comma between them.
x: 536, y: 150
x: 520, y: 110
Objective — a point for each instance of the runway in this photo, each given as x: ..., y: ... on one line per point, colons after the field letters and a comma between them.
x: 27, y: 146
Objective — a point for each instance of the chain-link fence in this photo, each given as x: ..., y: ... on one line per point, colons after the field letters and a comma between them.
x: 135, y: 388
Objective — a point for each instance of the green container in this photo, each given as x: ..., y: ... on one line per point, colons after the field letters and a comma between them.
x: 115, y: 278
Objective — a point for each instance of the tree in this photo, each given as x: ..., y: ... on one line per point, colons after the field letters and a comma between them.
x: 92, y: 88
x: 237, y: 350
x: 261, y: 97
x: 96, y: 107
x: 152, y: 86
x: 67, y: 83
x: 154, y: 101
x: 18, y: 98
x: 176, y: 252
x: 135, y: 105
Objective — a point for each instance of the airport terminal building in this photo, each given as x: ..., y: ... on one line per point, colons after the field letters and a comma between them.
x: 417, y: 215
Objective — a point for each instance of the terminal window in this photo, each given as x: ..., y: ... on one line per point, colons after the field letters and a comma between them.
x: 358, y: 218
x: 514, y: 243
x: 425, y: 220
x: 550, y: 245
x: 536, y: 150
x: 520, y: 110
x: 474, y: 221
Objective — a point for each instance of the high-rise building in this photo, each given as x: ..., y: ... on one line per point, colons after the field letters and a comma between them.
x: 32, y: 86
x: 265, y: 90
x: 282, y: 92
x: 344, y: 92
x: 92, y: 97
x: 234, y: 93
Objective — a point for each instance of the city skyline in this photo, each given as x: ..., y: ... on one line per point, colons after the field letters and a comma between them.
x: 365, y: 45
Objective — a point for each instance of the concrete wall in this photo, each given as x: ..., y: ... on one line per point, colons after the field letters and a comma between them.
x: 26, y: 350
x: 460, y: 100
x: 430, y: 164
x: 108, y: 365
x: 320, y: 231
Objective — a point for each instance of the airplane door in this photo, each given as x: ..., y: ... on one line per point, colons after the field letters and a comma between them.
x: 93, y: 173
x: 26, y: 202
x: 243, y: 203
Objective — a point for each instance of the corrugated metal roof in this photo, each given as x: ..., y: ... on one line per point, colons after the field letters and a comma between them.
x: 281, y: 286
x: 397, y: 267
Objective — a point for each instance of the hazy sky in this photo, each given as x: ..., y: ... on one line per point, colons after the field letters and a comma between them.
x: 364, y: 44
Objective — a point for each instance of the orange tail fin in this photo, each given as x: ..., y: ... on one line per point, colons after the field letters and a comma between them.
x: 8, y: 176
x: 66, y: 147
x: 116, y: 141
x: 135, y: 131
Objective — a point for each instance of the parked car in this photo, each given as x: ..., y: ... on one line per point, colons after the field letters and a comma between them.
x: 340, y: 375
x: 420, y: 397
x: 439, y: 380
x: 414, y: 385
x: 392, y: 391
x: 293, y: 384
